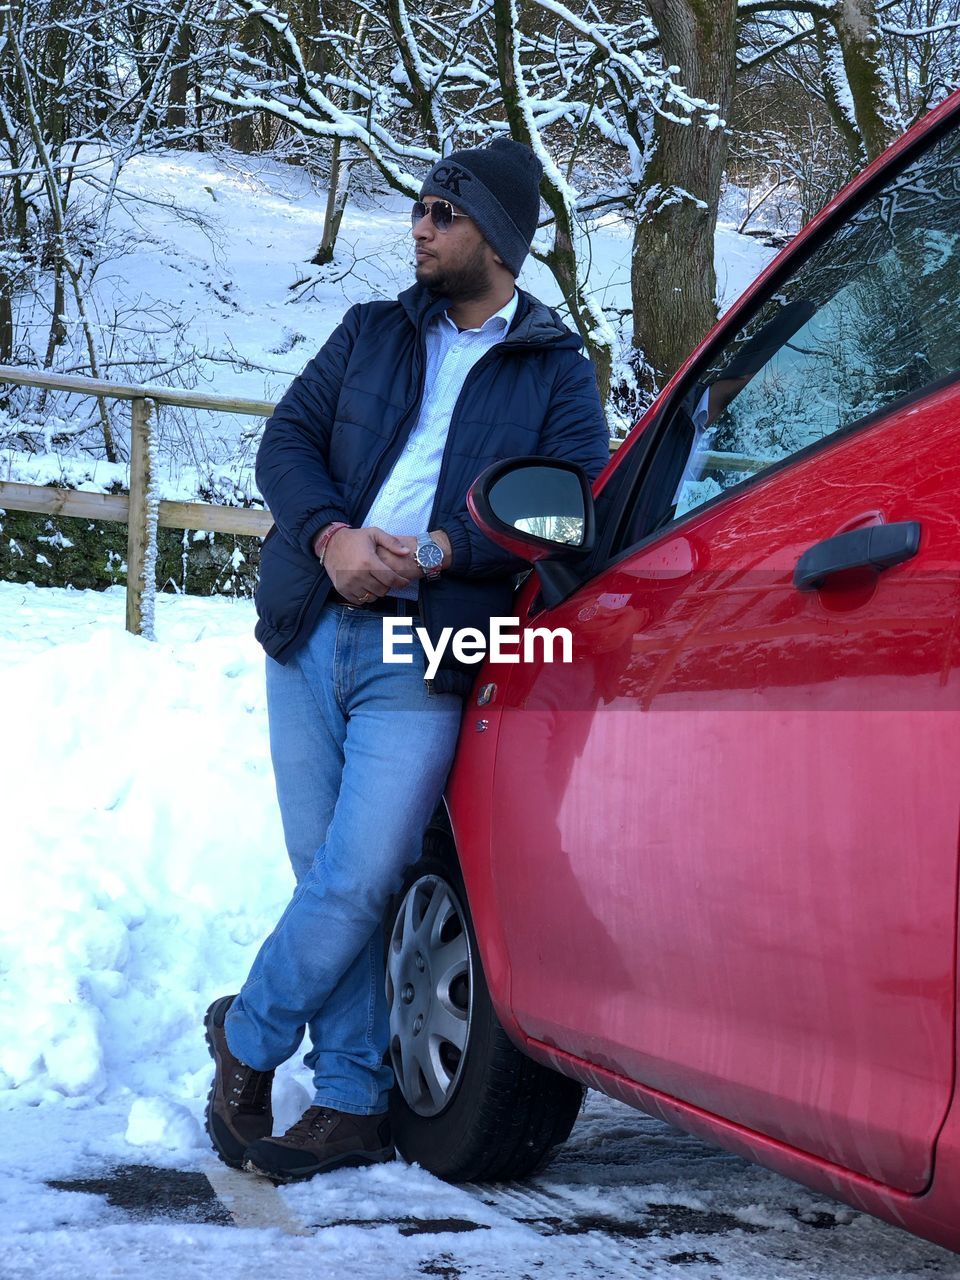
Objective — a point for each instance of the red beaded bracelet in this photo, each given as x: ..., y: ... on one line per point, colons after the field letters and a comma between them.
x: 322, y: 541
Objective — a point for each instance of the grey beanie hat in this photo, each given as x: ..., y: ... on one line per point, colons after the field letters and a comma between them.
x: 499, y: 187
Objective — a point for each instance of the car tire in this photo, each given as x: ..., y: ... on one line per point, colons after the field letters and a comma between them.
x: 493, y: 1113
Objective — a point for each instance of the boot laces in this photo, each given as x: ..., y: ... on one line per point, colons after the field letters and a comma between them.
x: 310, y: 1126
x: 253, y: 1094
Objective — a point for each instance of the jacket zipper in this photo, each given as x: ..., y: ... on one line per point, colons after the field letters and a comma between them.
x: 375, y: 478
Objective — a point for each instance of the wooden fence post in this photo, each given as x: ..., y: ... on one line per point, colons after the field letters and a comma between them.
x: 142, y: 527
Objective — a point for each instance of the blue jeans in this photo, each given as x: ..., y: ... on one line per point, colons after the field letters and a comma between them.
x: 361, y: 750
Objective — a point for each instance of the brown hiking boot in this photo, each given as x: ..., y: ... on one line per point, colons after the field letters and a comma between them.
x: 238, y: 1105
x: 322, y: 1139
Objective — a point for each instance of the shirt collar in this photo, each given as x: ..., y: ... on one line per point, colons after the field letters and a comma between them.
x: 501, y: 319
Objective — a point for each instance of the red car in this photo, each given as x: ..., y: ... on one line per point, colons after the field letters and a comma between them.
x: 709, y: 866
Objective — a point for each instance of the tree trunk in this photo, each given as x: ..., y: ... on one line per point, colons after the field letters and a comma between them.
x: 199, y: 136
x: 854, y: 81
x: 242, y: 134
x: 831, y: 59
x: 673, y: 281
x: 144, y: 62
x: 308, y: 20
x: 14, y: 158
x: 180, y: 81
x: 338, y: 189
x: 419, y: 94
x: 100, y: 105
x: 57, y: 330
x: 242, y: 128
x: 6, y: 319
x: 53, y: 72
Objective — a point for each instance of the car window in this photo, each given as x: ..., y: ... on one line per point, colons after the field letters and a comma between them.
x: 869, y: 319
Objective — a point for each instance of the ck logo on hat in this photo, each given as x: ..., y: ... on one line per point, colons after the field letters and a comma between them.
x: 449, y: 176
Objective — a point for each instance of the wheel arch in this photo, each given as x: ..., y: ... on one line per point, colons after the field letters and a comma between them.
x: 471, y: 845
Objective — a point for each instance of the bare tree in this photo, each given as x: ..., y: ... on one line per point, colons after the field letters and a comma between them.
x: 84, y: 91
x: 564, y: 83
x: 562, y: 257
x: 847, y: 71
x: 920, y: 41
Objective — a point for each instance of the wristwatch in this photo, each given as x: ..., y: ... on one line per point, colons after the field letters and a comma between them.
x: 429, y: 556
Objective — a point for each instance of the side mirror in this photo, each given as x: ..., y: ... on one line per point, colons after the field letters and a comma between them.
x: 536, y: 508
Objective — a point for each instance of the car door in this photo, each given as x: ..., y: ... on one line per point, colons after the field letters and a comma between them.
x: 724, y: 836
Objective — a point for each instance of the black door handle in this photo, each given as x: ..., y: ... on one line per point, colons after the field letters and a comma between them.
x: 876, y: 547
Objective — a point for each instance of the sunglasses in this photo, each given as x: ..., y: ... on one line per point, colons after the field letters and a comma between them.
x: 441, y: 214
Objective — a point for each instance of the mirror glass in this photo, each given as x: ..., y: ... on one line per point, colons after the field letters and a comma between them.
x: 543, y: 501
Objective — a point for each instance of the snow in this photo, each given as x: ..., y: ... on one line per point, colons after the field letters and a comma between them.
x: 127, y: 817
x: 143, y: 864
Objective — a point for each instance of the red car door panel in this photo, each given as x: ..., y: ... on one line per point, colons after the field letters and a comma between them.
x: 724, y: 838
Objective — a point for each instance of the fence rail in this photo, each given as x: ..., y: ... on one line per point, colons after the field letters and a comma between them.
x: 46, y: 500
x: 141, y: 515
x: 123, y: 391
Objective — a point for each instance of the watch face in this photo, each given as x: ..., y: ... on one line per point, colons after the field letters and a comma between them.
x: 429, y: 555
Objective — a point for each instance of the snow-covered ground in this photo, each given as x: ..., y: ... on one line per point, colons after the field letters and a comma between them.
x: 211, y: 277
x: 142, y: 864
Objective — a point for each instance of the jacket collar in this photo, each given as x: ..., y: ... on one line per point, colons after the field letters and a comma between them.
x: 534, y: 324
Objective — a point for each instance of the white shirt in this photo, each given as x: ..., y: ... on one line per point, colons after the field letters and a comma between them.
x: 405, y: 501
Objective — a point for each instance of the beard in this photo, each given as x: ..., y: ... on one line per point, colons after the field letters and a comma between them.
x: 467, y: 280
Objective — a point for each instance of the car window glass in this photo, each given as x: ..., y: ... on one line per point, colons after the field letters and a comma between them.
x: 868, y: 319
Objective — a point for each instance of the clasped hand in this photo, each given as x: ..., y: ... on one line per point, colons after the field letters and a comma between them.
x: 364, y: 564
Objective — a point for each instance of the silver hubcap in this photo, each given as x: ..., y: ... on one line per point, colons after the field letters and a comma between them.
x: 430, y: 994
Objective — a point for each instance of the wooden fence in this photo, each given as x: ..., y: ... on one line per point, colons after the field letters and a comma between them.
x: 136, y: 511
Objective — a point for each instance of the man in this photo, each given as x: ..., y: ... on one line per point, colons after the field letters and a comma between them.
x: 365, y: 465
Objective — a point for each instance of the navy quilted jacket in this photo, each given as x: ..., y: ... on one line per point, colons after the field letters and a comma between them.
x: 342, y: 424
